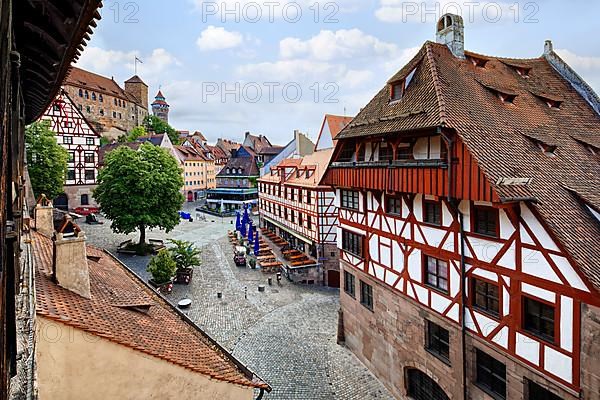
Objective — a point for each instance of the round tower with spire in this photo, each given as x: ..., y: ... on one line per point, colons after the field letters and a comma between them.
x: 160, y: 108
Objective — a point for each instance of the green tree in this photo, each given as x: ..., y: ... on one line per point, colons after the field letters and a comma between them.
x: 135, y: 133
x: 46, y: 160
x: 162, y: 267
x: 140, y: 189
x: 185, y: 253
x: 154, y: 124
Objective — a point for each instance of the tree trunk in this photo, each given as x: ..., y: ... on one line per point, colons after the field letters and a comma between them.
x: 142, y: 234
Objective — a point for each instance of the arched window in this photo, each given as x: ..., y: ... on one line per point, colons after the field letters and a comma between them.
x: 80, y: 92
x: 93, y: 96
x: 100, y: 98
x: 87, y: 95
x: 422, y: 387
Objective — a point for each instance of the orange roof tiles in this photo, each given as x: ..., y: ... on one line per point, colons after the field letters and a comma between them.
x: 161, y: 332
x: 446, y: 91
x: 336, y: 124
x: 88, y: 80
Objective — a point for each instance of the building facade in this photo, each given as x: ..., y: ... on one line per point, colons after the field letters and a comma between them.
x: 236, y: 183
x: 198, y: 172
x: 112, y: 110
x: 464, y: 236
x: 82, y: 142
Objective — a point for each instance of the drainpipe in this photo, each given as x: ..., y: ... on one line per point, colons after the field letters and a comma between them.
x: 454, y: 202
x: 261, y: 394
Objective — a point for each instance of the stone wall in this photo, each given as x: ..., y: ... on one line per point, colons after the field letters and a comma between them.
x: 74, y: 193
x: 590, y: 356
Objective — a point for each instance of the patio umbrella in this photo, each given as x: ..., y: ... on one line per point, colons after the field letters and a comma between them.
x: 245, y: 218
x: 250, y: 233
x: 237, y: 221
x: 243, y: 229
x: 256, y: 245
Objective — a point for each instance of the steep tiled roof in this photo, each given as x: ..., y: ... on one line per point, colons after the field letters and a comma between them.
x: 247, y: 163
x: 110, y: 313
x: 454, y: 93
x: 88, y: 80
x: 135, y: 79
x: 187, y: 153
x: 156, y: 139
x: 315, y: 163
x: 107, y: 148
x: 218, y: 152
x: 336, y: 123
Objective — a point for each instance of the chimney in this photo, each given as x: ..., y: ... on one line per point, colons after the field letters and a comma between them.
x: 548, y: 47
x: 44, y: 216
x: 70, y: 265
x: 451, y: 32
x: 247, y: 133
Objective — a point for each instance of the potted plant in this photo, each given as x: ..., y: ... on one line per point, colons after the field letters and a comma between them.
x: 162, y: 267
x: 186, y: 256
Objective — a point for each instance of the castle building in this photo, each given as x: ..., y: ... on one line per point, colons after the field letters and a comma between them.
x: 468, y: 206
x: 295, y: 206
x: 160, y: 107
x: 82, y: 142
x: 112, y: 110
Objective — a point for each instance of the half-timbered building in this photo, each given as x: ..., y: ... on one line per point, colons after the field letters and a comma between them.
x: 468, y: 227
x: 82, y: 142
x: 294, y: 205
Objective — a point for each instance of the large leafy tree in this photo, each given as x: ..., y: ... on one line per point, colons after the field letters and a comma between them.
x: 140, y: 189
x: 46, y: 160
x: 154, y: 124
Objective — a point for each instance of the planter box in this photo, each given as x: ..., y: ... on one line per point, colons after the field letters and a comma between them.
x: 164, y: 288
x: 184, y: 276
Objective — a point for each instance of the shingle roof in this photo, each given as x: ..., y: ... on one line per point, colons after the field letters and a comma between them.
x: 454, y: 93
x: 160, y: 332
x: 247, y: 163
x: 336, y: 123
x: 107, y: 148
x: 315, y: 163
x: 187, y: 153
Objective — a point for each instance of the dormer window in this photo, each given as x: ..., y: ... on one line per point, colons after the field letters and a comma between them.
x: 506, y: 98
x: 522, y: 71
x: 477, y: 61
x: 547, y: 149
x: 397, y: 91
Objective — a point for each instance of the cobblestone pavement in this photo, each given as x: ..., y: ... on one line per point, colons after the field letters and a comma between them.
x: 287, y: 334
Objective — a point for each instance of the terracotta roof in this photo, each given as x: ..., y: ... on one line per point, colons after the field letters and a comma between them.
x: 161, y: 332
x: 247, y: 163
x: 271, y: 150
x: 446, y: 91
x: 135, y: 79
x: 107, y: 148
x: 88, y: 80
x: 315, y: 164
x: 217, y: 152
x: 336, y: 123
x: 227, y: 145
x: 187, y: 153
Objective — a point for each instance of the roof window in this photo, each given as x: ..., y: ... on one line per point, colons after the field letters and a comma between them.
x: 398, y: 88
x: 477, y: 61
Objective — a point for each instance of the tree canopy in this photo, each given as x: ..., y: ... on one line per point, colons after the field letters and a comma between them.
x: 154, y: 124
x: 46, y: 160
x: 140, y: 189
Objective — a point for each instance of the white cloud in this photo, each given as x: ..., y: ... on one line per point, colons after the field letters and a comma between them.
x: 341, y: 44
x: 218, y: 38
x: 103, y: 61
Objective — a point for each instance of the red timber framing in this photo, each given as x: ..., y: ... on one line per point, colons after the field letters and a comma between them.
x: 523, y: 258
x: 76, y: 135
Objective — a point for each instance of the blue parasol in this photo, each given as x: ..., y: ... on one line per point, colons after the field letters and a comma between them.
x: 256, y: 244
x: 237, y: 221
x: 250, y: 232
x: 243, y: 229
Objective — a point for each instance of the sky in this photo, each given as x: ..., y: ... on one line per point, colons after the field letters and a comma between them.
x: 273, y: 66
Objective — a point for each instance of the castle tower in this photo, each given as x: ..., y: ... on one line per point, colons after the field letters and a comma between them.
x: 138, y: 89
x: 160, y: 107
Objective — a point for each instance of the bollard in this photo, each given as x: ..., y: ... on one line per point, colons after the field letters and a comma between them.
x: 219, y: 295
x: 270, y: 281
x: 261, y: 288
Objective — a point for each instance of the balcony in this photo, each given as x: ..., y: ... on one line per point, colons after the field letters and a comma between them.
x: 426, y: 163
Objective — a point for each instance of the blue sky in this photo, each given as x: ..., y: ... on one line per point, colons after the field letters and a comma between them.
x: 225, y: 69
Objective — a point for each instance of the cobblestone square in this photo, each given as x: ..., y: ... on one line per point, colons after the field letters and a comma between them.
x: 287, y: 334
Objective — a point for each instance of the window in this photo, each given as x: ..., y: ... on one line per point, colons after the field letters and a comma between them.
x: 56, y: 107
x: 89, y: 141
x: 71, y: 156
x: 436, y: 273
x: 85, y: 200
x: 352, y: 243
x: 120, y: 116
x: 486, y: 296
x: 114, y: 114
x: 300, y: 219
x: 88, y: 109
x: 491, y: 375
x: 309, y: 222
x: 538, y: 318
x: 93, y: 96
x: 347, y: 153
x: 102, y: 112
x: 87, y: 95
x: 437, y: 340
x: 394, y: 205
x: 100, y: 98
x: 536, y: 392
x: 366, y: 295
x: 68, y: 139
x: 292, y: 194
x: 386, y: 152
x: 432, y: 212
x: 80, y: 92
x: 422, y: 387
x: 70, y: 174
x: 89, y: 157
x: 350, y: 199
x: 485, y: 221
x: 300, y: 195
x: 397, y: 90
x: 90, y: 175
x: 349, y: 284
x: 293, y: 216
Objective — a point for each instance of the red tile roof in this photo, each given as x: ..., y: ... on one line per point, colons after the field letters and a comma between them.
x: 336, y: 123
x: 449, y: 92
x: 161, y: 332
